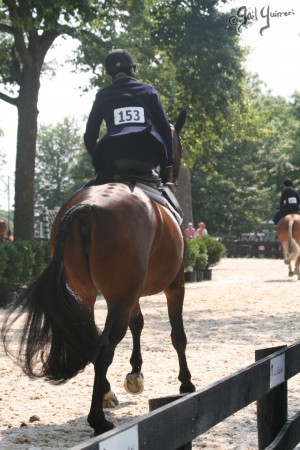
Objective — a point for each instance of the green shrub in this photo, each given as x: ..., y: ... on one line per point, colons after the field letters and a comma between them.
x: 191, y: 253
x: 3, y: 262
x: 202, y: 256
x: 22, y: 261
x: 196, y: 255
x: 215, y: 250
x: 41, y: 258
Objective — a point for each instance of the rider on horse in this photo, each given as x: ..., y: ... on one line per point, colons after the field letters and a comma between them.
x: 138, y: 136
x: 289, y: 201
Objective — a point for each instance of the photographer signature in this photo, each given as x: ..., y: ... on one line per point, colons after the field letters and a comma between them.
x: 244, y: 16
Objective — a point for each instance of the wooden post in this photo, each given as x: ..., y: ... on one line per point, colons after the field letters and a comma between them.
x: 155, y: 403
x: 271, y: 408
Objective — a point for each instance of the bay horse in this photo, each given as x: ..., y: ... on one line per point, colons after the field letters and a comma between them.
x: 114, y: 240
x: 288, y: 233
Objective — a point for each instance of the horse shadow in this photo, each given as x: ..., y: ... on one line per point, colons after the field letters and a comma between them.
x: 290, y: 280
x: 64, y: 435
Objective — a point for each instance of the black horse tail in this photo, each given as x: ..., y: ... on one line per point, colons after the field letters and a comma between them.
x: 59, y: 336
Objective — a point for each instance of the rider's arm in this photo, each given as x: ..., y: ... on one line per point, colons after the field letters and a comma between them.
x: 93, y: 124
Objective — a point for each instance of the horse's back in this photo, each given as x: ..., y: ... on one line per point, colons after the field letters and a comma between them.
x: 126, y: 240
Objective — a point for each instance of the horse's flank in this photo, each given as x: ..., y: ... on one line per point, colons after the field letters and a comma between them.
x: 103, y: 239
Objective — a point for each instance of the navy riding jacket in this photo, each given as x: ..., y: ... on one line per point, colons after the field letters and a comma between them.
x: 128, y: 106
x: 289, y: 200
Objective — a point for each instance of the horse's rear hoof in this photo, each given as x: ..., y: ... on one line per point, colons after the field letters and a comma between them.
x: 134, y: 383
x: 105, y: 426
x: 187, y: 388
x: 110, y: 400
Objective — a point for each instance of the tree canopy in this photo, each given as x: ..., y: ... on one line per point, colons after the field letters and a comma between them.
x: 62, y: 164
x: 238, y: 142
x: 28, y: 29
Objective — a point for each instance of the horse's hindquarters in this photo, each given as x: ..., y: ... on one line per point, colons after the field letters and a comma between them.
x: 167, y: 253
x: 288, y: 233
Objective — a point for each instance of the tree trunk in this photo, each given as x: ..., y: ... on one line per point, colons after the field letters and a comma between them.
x: 26, y: 149
x: 184, y: 194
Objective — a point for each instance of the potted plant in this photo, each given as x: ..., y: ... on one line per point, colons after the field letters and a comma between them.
x: 201, y: 259
x: 190, y: 256
x: 215, y: 251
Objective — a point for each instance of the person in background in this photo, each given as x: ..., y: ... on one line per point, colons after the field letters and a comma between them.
x: 201, y: 230
x: 289, y: 201
x: 190, y: 231
x: 138, y: 130
x: 255, y: 236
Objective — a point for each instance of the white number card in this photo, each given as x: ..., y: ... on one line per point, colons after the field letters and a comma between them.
x: 277, y: 370
x: 125, y: 440
x: 292, y: 200
x: 129, y: 114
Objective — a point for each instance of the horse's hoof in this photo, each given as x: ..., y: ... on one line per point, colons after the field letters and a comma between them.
x: 105, y: 426
x: 187, y: 389
x: 134, y: 383
x: 110, y: 400
x: 291, y: 274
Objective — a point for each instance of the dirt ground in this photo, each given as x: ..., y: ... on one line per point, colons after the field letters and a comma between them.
x: 249, y: 304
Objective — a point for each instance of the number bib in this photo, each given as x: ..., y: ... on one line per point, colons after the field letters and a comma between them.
x: 292, y: 200
x: 129, y: 114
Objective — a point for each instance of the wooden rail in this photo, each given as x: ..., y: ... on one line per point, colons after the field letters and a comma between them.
x: 176, y: 424
x: 251, y: 249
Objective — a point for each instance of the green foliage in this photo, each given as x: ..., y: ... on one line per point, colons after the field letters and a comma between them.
x: 202, y: 256
x: 210, y: 75
x: 239, y: 142
x: 237, y: 190
x: 62, y: 164
x: 22, y: 261
x: 215, y: 250
x: 191, y: 253
x: 196, y: 254
x: 29, y: 29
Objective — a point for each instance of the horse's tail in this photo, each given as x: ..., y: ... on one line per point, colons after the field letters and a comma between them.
x: 59, y: 336
x: 293, y: 249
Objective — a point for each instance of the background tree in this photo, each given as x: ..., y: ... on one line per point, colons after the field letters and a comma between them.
x: 194, y: 60
x: 238, y: 189
x: 238, y: 141
x: 28, y: 29
x: 208, y: 58
x: 4, y: 184
x: 62, y: 164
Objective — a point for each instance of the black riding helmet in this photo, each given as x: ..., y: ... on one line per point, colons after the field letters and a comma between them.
x: 119, y: 61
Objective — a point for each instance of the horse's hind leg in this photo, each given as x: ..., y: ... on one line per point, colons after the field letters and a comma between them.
x: 115, y: 328
x: 297, y: 268
x: 133, y: 383
x: 175, y: 297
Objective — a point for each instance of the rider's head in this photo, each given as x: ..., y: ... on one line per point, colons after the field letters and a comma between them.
x: 287, y: 183
x: 119, y: 62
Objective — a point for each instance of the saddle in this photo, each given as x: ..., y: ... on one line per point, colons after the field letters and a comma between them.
x: 146, y: 177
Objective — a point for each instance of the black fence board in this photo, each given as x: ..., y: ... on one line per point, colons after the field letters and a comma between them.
x: 289, y: 436
x: 252, y: 249
x: 181, y: 421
